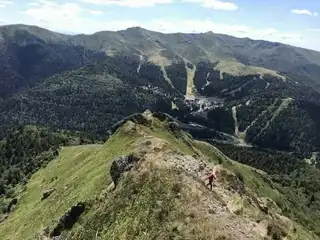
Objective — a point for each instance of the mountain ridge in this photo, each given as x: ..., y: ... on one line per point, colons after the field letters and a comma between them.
x: 196, y: 67
x: 160, y: 194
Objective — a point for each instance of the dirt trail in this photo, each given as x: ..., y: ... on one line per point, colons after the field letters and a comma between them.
x: 165, y: 75
x: 241, y: 135
x: 191, y: 89
x: 140, y: 64
x: 218, y: 205
x: 207, y: 83
x: 236, y: 124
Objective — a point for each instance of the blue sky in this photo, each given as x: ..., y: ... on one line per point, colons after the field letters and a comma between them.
x: 293, y: 22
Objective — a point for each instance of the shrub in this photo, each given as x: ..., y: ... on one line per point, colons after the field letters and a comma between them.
x: 276, y: 232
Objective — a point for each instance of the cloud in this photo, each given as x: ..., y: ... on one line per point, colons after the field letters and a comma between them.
x: 95, y: 12
x: 53, y: 16
x: 313, y: 30
x: 238, y: 30
x: 304, y: 12
x: 215, y: 4
x: 49, y: 11
x: 74, y: 18
x: 68, y: 17
x: 2, y: 21
x: 5, y: 3
x: 129, y: 3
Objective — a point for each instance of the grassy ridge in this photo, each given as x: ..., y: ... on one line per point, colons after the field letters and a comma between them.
x: 78, y: 174
x: 149, y: 203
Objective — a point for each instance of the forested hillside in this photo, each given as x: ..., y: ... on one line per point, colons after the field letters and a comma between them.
x: 30, y: 54
x: 93, y: 98
x: 23, y: 151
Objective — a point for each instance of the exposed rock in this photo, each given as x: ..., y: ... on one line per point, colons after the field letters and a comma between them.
x: 121, y: 165
x: 187, y: 163
x: 173, y: 126
x: 190, y: 66
x: 232, y: 181
x: 11, y: 205
x: 67, y: 221
x: 162, y: 116
x: 137, y: 118
x: 47, y: 193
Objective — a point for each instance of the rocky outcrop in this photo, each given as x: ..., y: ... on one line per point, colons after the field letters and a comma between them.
x: 136, y: 118
x: 11, y: 205
x: 121, y: 165
x: 163, y: 116
x: 67, y: 221
x: 47, y: 193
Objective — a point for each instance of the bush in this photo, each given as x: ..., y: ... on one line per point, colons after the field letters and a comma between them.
x: 276, y: 232
x: 239, y: 176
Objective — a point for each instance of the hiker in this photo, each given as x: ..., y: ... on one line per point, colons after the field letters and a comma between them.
x: 212, y: 176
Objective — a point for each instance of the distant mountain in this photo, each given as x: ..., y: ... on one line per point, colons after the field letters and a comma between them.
x: 30, y: 54
x: 261, y: 93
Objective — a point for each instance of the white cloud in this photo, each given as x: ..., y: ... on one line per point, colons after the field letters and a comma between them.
x: 5, y: 3
x: 2, y: 21
x: 49, y: 11
x: 68, y: 17
x: 95, y: 12
x: 304, y: 12
x: 74, y: 18
x: 313, y: 29
x: 215, y: 4
x: 129, y: 3
x: 238, y: 30
x: 71, y: 18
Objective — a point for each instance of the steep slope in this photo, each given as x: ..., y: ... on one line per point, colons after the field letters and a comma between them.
x: 30, y: 54
x: 159, y: 192
x: 93, y: 98
x: 23, y: 151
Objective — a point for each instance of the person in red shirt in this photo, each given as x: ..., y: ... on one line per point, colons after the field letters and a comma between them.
x: 212, y: 176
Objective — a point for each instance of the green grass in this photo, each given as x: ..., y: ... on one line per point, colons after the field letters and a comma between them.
x: 149, y: 203
x: 78, y: 174
x: 252, y: 179
x: 238, y: 69
x: 179, y: 141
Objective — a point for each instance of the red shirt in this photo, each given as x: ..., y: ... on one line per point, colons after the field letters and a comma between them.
x: 211, y: 177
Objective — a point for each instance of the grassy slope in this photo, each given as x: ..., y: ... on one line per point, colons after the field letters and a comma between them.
x: 80, y: 172
x: 145, y: 206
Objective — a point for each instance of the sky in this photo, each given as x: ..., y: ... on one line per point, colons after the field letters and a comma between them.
x: 293, y: 22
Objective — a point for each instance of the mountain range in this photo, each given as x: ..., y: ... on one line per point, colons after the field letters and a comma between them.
x: 74, y: 82
x: 257, y: 102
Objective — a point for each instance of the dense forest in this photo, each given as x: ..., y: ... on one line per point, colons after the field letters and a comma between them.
x: 177, y: 73
x: 93, y: 98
